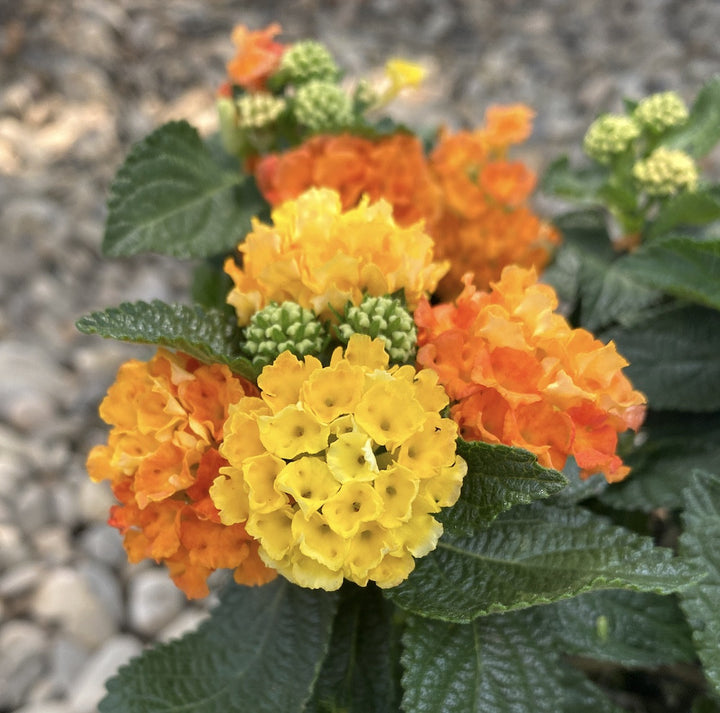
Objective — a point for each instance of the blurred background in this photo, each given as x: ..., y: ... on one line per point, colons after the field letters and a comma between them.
x: 80, y: 81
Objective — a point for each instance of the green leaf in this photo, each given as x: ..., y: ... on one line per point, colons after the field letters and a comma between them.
x: 172, y: 197
x: 577, y: 185
x: 683, y: 266
x: 702, y: 130
x: 535, y: 554
x: 696, y: 208
x: 628, y: 628
x: 674, y: 444
x: 498, y: 477
x: 578, y: 489
x: 208, y: 335
x: 260, y: 652
x: 211, y: 285
x: 605, y: 291
x: 699, y: 543
x: 497, y: 664
x: 674, y: 358
x: 361, y: 669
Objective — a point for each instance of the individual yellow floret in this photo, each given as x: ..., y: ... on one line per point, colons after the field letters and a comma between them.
x: 293, y: 431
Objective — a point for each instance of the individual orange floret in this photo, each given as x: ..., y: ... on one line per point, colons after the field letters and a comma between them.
x: 519, y: 374
x: 257, y: 56
x: 393, y: 167
x: 507, y: 124
x: 321, y: 256
x: 161, y: 459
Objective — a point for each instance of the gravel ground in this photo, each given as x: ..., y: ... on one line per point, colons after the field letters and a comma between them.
x: 80, y: 81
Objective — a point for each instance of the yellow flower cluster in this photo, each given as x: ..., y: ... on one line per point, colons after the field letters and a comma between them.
x: 337, y: 471
x: 321, y: 257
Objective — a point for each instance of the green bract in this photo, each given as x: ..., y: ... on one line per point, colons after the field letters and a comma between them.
x: 283, y: 327
x: 385, y: 318
x: 660, y: 112
x: 666, y: 172
x: 609, y: 136
x: 306, y: 61
x: 322, y: 106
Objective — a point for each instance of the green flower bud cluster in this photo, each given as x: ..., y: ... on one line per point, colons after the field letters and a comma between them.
x: 385, y: 318
x: 665, y: 172
x: 662, y: 111
x: 283, y: 327
x: 323, y: 106
x: 258, y: 111
x: 308, y: 61
x: 609, y: 136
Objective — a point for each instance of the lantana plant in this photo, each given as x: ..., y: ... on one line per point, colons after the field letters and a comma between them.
x: 431, y: 437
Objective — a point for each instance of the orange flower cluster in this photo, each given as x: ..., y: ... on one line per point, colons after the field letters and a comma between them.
x: 472, y: 199
x: 161, y: 459
x: 393, y: 167
x: 256, y: 58
x: 518, y: 374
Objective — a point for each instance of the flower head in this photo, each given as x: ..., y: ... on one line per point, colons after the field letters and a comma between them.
x: 306, y: 61
x: 257, y: 56
x: 258, y: 110
x: 518, y: 374
x: 392, y: 167
x: 345, y: 471
x: 661, y: 111
x: 323, y: 106
x: 666, y: 172
x: 321, y: 257
x: 485, y: 223
x: 609, y: 136
x: 161, y: 458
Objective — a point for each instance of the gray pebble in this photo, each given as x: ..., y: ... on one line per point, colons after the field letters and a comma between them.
x: 23, y: 658
x: 89, y: 687
x: 153, y: 601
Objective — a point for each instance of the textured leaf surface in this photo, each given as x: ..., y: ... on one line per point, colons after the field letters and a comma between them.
x: 578, y: 489
x: 682, y: 266
x: 498, y: 477
x: 535, y: 554
x: 628, y: 628
x: 497, y: 664
x: 208, y: 335
x: 674, y: 358
x: 172, y: 197
x: 699, y: 543
x: 577, y: 185
x: 702, y: 130
x: 674, y: 445
x: 695, y: 208
x: 361, y: 670
x: 260, y: 652
x: 606, y: 292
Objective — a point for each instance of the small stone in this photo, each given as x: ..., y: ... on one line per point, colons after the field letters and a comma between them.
x: 23, y: 659
x: 33, y: 507
x: 13, y: 548
x: 105, y: 544
x: 20, y: 579
x: 105, y: 585
x: 95, y: 500
x: 154, y: 601
x: 187, y: 621
x: 89, y: 687
x: 64, y: 597
x: 67, y: 660
x: 53, y: 545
